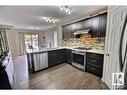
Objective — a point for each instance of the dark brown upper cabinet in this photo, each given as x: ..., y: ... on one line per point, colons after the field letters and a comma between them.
x: 96, y: 24
x: 87, y: 23
x: 79, y: 25
x: 67, y: 31
x: 102, y: 24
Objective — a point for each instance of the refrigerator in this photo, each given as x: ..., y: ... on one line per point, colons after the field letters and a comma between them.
x: 123, y: 52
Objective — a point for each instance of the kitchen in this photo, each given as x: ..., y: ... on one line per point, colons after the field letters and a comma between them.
x: 68, y: 54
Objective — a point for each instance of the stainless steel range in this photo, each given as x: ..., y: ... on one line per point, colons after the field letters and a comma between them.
x: 79, y: 57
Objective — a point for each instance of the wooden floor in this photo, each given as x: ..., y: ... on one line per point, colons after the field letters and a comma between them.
x: 63, y: 76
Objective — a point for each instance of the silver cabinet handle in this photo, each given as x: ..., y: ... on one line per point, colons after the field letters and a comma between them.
x: 93, y: 68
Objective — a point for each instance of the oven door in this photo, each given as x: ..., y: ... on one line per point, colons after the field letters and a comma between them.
x: 78, y: 59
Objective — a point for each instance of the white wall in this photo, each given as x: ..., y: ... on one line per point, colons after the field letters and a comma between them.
x: 55, y: 39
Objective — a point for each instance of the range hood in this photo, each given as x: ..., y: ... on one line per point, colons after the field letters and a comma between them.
x: 82, y: 32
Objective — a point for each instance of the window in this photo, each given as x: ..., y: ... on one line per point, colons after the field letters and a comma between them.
x: 31, y: 41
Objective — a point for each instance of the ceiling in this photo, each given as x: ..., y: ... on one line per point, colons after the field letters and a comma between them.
x: 30, y: 17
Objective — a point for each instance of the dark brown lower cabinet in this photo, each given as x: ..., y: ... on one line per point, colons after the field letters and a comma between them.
x: 68, y: 56
x: 94, y: 63
x: 59, y: 56
x: 56, y: 57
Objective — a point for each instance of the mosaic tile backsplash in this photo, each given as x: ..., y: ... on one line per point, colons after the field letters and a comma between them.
x: 85, y: 41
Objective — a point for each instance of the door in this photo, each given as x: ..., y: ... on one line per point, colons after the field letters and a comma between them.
x: 111, y: 57
x: 113, y: 28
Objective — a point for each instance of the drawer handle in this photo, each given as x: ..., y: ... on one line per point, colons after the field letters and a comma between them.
x: 93, y: 54
x: 93, y: 60
x: 93, y: 68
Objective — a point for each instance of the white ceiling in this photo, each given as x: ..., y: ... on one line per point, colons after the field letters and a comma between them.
x: 29, y: 17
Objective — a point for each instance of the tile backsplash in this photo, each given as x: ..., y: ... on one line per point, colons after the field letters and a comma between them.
x: 85, y: 41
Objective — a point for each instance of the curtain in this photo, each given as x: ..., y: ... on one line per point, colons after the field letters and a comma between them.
x: 3, y: 41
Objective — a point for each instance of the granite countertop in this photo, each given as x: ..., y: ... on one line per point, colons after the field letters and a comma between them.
x: 96, y: 51
x: 99, y: 51
x: 42, y: 49
x: 38, y: 50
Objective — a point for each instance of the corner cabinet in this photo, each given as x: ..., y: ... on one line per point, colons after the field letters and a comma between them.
x: 56, y: 57
x: 116, y: 17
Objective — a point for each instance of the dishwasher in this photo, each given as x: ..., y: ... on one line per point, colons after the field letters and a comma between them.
x: 37, y: 61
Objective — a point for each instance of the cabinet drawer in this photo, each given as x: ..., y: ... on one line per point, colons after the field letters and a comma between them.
x: 95, y: 55
x: 95, y: 61
x: 94, y: 69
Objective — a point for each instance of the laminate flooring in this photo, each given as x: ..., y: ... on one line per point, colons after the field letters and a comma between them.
x: 62, y: 76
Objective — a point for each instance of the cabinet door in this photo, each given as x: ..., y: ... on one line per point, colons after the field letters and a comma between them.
x: 102, y: 24
x: 68, y: 56
x: 79, y: 25
x: 95, y: 26
x: 87, y: 24
x: 68, y: 31
x: 63, y: 53
x: 36, y: 62
x: 60, y: 56
x: 52, y: 58
x: 64, y: 29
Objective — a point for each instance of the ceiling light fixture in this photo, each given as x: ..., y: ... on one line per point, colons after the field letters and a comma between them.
x: 66, y: 9
x: 50, y: 19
